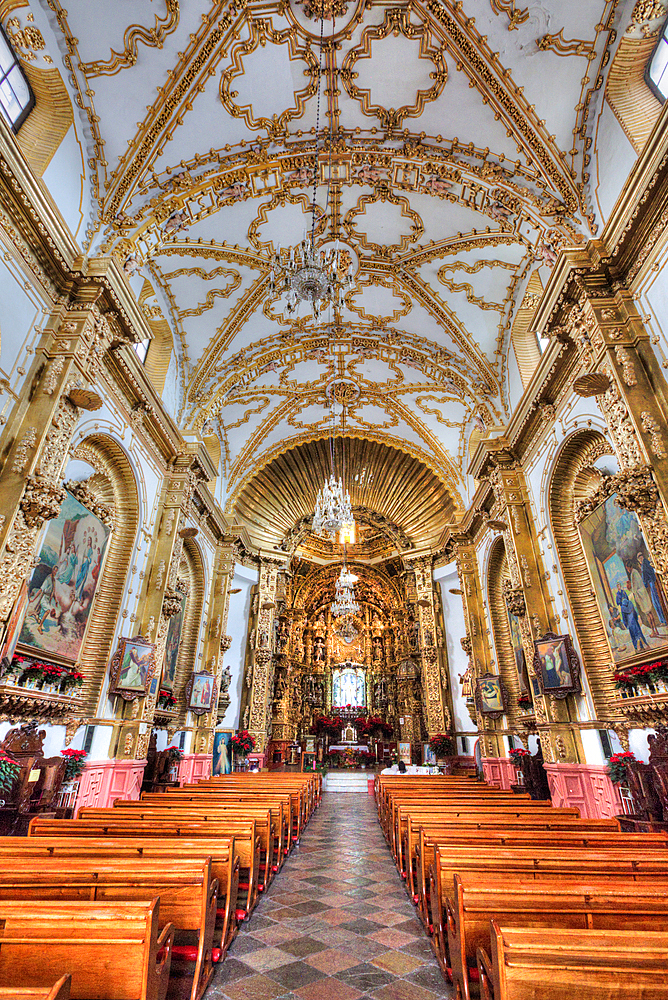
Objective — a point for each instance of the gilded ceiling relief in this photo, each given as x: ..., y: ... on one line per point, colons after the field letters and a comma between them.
x: 153, y: 37
x: 408, y: 220
x: 262, y: 33
x: 397, y: 21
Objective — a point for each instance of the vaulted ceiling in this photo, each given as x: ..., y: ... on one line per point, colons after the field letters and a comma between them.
x: 449, y: 164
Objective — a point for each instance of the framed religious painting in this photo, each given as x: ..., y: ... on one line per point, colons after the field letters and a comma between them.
x: 132, y: 667
x: 557, y: 665
x: 201, y: 693
x: 629, y: 592
x: 491, y: 696
x: 63, y: 583
x: 222, y: 752
x: 174, y: 630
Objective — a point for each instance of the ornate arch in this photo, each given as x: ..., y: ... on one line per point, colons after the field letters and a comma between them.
x: 573, y: 479
x: 497, y: 574
x: 114, y: 485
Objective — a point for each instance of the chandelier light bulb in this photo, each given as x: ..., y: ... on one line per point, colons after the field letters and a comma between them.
x: 309, y: 275
x: 333, y: 509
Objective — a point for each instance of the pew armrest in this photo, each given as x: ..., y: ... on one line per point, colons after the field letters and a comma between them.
x: 486, y: 975
x: 164, y: 959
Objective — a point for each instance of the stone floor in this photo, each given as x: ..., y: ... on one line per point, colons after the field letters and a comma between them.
x: 336, y: 923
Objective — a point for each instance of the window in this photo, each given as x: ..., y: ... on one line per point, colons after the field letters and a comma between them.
x: 656, y: 74
x: 141, y: 350
x: 88, y: 738
x: 16, y: 98
x: 605, y: 743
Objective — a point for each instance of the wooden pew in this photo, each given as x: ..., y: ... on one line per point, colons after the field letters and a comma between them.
x: 113, y: 951
x: 553, y: 964
x: 266, y: 828
x: 578, y: 834
x: 59, y: 991
x: 225, y: 867
x: 214, y: 837
x: 258, y: 791
x: 279, y: 806
x: 450, y: 811
x: 508, y: 865
x: 188, y: 893
x: 598, y: 905
x: 310, y: 784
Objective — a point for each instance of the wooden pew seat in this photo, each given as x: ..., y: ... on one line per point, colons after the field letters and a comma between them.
x: 113, y: 951
x: 188, y: 893
x: 547, y: 964
x: 594, y: 904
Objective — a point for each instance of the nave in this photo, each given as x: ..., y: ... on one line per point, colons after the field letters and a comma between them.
x: 336, y: 923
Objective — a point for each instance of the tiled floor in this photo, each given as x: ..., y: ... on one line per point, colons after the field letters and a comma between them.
x: 336, y: 923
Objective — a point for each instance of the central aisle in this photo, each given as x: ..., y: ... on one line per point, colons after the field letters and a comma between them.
x: 336, y: 923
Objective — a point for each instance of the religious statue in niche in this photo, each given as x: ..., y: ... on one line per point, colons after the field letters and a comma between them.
x: 377, y: 654
x: 319, y: 649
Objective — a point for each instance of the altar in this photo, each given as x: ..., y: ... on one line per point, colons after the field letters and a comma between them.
x: 342, y: 747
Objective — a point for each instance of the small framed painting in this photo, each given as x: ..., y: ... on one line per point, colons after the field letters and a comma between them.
x: 222, y: 752
x: 557, y: 664
x: 404, y: 750
x: 491, y: 696
x: 201, y: 693
x: 132, y: 667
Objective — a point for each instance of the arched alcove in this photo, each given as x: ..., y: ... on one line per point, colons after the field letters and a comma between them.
x: 113, y: 484
x: 574, y: 478
x: 191, y: 573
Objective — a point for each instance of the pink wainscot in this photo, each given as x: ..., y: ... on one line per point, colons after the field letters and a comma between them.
x: 104, y: 781
x: 194, y: 767
x: 499, y: 771
x: 586, y: 787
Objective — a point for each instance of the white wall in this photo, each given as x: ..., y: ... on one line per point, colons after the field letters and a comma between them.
x: 455, y: 629
x: 237, y: 627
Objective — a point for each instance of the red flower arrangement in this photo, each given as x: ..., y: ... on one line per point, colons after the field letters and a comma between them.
x: 328, y: 726
x: 242, y: 743
x: 166, y: 699
x: 75, y: 763
x: 175, y: 753
x: 50, y: 672
x: 517, y: 753
x: 630, y: 678
x: 441, y: 744
x: 617, y: 766
x: 73, y: 679
x: 524, y: 701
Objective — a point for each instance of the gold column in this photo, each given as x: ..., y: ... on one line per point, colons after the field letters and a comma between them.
x: 559, y: 740
x: 436, y: 714
x: 262, y: 688
x: 37, y: 437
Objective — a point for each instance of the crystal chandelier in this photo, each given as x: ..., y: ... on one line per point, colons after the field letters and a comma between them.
x: 344, y: 595
x: 333, y: 510
x: 309, y: 275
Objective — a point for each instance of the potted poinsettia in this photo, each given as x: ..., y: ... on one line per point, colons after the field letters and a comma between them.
x: 9, y: 771
x: 32, y: 674
x: 72, y: 682
x: 618, y: 767
x: 441, y: 746
x: 166, y: 699
x: 51, y: 678
x: 76, y: 761
x: 242, y: 743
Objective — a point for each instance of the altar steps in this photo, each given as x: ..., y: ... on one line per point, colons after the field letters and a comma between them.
x: 348, y: 781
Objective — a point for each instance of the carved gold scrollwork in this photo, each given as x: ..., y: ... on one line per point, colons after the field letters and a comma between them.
x: 261, y: 31
x: 397, y: 21
x: 153, y: 37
